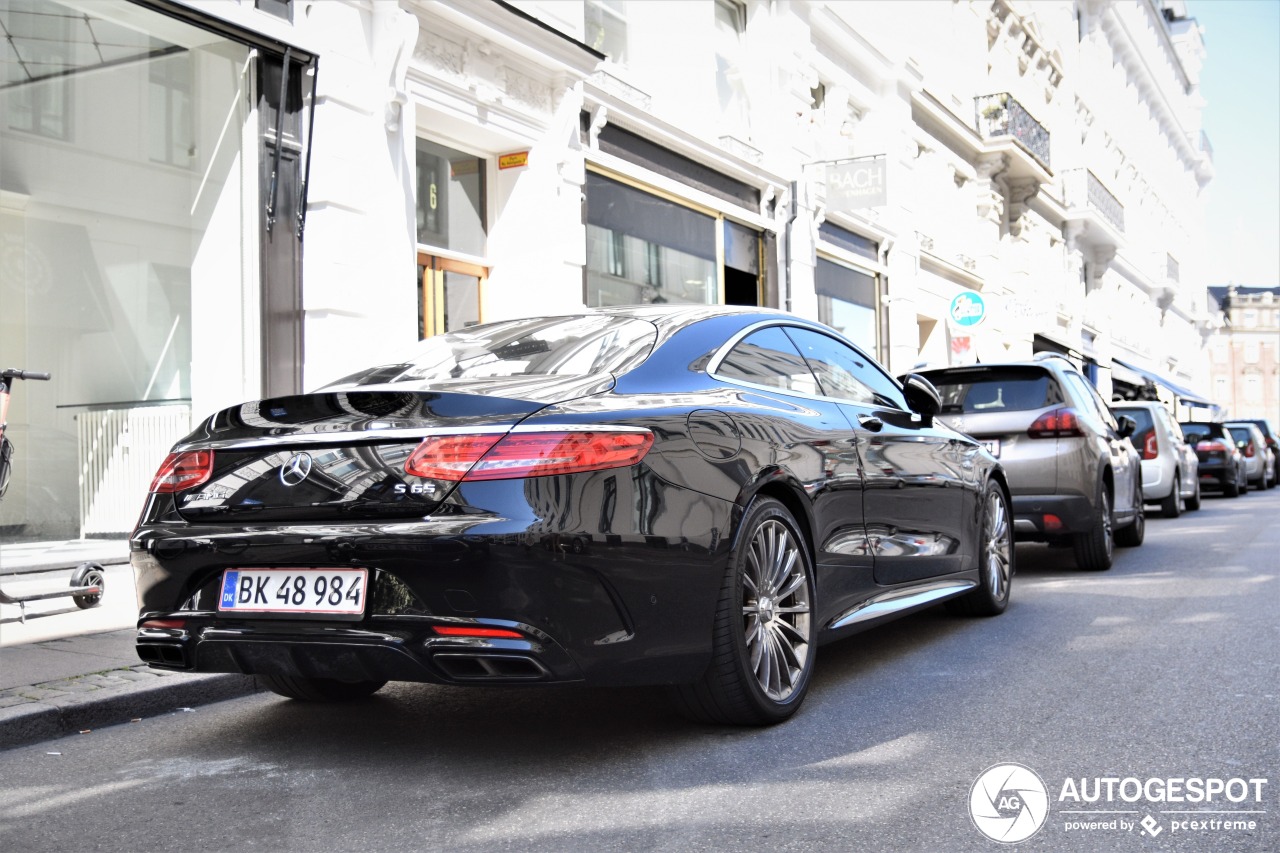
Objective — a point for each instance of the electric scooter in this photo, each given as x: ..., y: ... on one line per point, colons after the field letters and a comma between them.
x: 89, y: 579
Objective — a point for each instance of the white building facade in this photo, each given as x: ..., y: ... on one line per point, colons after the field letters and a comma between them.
x: 944, y: 180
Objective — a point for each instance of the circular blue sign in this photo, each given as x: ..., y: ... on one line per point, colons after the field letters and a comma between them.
x: 968, y: 309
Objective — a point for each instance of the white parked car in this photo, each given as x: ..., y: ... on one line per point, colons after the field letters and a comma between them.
x: 1259, y: 466
x: 1170, y: 468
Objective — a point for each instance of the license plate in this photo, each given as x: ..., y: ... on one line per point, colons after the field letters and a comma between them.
x: 333, y: 592
x: 993, y: 446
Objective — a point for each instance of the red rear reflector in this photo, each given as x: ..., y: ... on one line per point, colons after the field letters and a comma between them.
x: 531, y: 454
x: 1150, y: 448
x: 1057, y: 423
x: 1052, y: 523
x: 164, y: 623
x: 475, y: 631
x: 181, y: 471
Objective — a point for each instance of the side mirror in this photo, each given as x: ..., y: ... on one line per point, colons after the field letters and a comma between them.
x: 1126, y: 426
x: 921, y: 396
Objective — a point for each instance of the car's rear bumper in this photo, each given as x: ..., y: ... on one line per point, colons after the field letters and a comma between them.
x: 1215, y: 475
x: 1039, y: 517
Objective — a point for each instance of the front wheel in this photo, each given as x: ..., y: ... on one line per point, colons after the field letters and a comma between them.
x: 763, y: 634
x: 996, y: 558
x: 319, y: 689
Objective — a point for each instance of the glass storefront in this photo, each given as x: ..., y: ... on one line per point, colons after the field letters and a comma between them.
x: 128, y: 171
x: 642, y: 248
x: 847, y: 302
x: 451, y: 217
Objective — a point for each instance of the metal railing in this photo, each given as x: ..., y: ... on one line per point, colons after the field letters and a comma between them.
x: 119, y: 451
x: 1002, y: 115
x: 1082, y: 188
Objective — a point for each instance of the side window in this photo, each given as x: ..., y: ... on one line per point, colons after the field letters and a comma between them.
x: 844, y: 373
x: 767, y: 357
x: 1090, y: 398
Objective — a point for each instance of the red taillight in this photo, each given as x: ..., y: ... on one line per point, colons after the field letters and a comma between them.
x: 1056, y: 423
x: 1150, y: 447
x: 168, y: 624
x: 1248, y: 450
x: 1211, y: 446
x: 476, y: 631
x: 532, y: 454
x: 181, y: 471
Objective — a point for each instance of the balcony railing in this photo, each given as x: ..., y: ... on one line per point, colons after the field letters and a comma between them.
x: 1002, y: 115
x: 1082, y: 188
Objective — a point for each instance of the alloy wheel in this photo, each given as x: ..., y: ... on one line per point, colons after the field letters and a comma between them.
x: 776, y: 610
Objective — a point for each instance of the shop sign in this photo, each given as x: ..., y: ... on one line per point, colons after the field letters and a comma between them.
x: 855, y: 184
x: 968, y: 309
x: 513, y: 161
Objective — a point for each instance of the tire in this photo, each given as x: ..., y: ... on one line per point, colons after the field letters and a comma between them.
x: 1133, y: 534
x: 1232, y: 489
x: 1095, y: 547
x: 89, y: 577
x: 1171, y: 507
x: 319, y: 689
x: 763, y: 634
x: 996, y: 560
x: 1193, y: 502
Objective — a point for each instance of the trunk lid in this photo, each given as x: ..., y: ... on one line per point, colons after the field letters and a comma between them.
x: 340, y: 454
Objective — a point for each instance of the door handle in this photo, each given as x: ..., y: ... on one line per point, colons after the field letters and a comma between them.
x: 870, y: 422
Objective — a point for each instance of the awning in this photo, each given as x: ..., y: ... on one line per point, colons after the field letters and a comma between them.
x: 1184, y: 395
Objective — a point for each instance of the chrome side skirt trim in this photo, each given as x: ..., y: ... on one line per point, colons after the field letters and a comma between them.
x: 900, y: 599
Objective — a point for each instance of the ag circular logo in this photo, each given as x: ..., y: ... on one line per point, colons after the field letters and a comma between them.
x: 968, y: 309
x: 1008, y: 803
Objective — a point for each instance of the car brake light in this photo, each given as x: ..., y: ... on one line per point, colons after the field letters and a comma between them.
x: 1211, y: 446
x: 476, y: 631
x: 1150, y: 447
x: 1248, y: 450
x: 531, y: 454
x: 1056, y: 423
x: 181, y: 471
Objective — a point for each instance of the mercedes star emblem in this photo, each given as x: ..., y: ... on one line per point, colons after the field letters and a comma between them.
x: 296, y: 469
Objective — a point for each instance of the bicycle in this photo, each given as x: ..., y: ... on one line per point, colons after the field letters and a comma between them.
x: 88, y: 581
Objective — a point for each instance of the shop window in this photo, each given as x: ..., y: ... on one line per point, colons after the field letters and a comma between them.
x: 847, y: 301
x: 449, y: 294
x: 450, y: 202
x: 605, y: 25
x: 642, y: 248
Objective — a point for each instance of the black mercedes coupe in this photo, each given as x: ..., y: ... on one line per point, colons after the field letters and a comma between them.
x: 688, y: 496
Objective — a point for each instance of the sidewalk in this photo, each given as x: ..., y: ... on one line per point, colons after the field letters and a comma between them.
x: 67, y: 684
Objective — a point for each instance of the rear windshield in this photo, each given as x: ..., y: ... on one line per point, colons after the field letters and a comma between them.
x: 582, y: 345
x: 995, y: 390
x: 1141, y: 417
x: 1241, y: 433
x: 1199, y: 432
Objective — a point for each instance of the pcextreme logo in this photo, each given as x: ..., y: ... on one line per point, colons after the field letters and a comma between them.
x: 1010, y: 803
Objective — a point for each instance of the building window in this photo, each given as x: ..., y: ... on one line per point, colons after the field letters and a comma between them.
x: 1251, y: 352
x: 731, y: 24
x: 1219, y: 350
x: 450, y: 204
x: 1252, y: 388
x: 606, y: 28
x: 169, y: 93
x: 1250, y: 319
x: 642, y: 248
x: 1222, y: 389
x: 847, y: 302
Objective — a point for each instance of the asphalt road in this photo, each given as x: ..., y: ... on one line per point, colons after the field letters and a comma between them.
x: 1167, y: 667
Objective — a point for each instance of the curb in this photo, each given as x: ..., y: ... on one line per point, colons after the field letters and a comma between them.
x: 36, y: 721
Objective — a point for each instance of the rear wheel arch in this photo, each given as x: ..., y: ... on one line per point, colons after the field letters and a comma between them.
x: 790, y: 494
